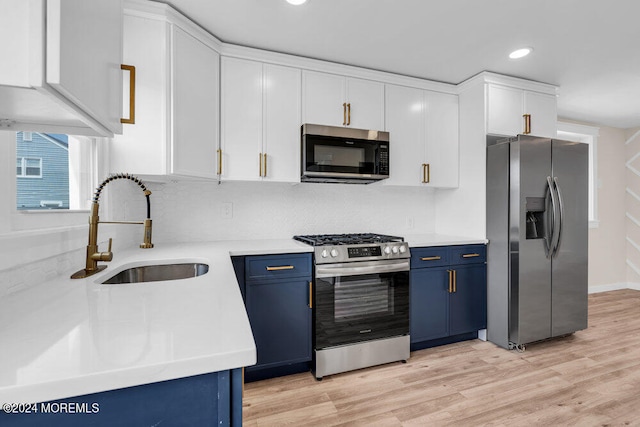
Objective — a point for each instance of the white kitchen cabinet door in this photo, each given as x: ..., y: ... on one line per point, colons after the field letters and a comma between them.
x: 260, y: 121
x: 177, y: 95
x: 323, y: 96
x: 442, y: 144
x: 404, y: 112
x: 282, y: 86
x: 68, y: 51
x: 543, y: 109
x: 241, y: 126
x: 507, y: 105
x: 365, y: 101
x: 505, y: 108
x: 195, y: 100
x: 143, y: 148
x: 333, y: 100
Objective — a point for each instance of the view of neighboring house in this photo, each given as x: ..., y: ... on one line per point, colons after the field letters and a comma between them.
x: 42, y: 171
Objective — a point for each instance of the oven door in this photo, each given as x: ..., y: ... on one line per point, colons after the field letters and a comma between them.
x: 361, y: 301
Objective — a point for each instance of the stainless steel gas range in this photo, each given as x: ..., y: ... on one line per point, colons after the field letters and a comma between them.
x: 361, y: 290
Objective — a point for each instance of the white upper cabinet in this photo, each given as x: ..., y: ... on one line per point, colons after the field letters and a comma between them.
x: 61, y: 69
x: 177, y: 101
x: 423, y: 137
x: 507, y: 107
x: 260, y: 121
x: 442, y: 140
x: 330, y: 99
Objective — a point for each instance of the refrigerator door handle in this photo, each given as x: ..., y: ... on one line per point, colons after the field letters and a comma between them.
x: 560, y: 216
x: 551, y: 228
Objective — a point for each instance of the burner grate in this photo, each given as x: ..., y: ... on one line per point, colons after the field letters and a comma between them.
x: 346, y: 239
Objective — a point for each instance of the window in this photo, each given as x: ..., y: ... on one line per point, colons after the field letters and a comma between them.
x: 587, y: 135
x: 29, y: 167
x: 50, y: 169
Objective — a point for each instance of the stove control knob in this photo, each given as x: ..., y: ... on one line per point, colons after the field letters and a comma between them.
x: 334, y: 253
x: 324, y: 253
x: 387, y: 250
x: 394, y: 249
x: 403, y: 249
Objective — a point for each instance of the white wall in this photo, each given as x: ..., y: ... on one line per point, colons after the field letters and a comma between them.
x: 632, y: 205
x: 607, y: 250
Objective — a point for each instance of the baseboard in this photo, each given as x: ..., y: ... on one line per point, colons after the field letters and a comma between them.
x: 613, y: 287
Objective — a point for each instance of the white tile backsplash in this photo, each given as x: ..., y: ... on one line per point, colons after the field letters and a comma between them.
x: 193, y: 211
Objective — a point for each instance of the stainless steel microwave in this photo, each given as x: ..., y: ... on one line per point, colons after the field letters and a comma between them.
x: 343, y: 155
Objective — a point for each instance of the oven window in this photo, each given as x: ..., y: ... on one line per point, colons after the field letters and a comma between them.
x: 353, y: 309
x: 366, y: 296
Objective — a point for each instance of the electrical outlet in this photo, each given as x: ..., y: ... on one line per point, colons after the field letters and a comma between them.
x: 226, y: 210
x: 410, y: 222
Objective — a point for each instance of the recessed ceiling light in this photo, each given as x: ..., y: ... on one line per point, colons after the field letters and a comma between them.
x: 520, y: 53
x: 296, y: 2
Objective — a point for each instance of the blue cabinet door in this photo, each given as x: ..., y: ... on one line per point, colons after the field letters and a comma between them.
x: 468, y: 304
x: 429, y: 307
x: 280, y: 319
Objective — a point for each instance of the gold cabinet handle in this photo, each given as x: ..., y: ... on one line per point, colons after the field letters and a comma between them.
x: 349, y: 114
x: 450, y: 272
x: 527, y: 124
x: 344, y: 113
x: 430, y: 258
x: 280, y: 267
x: 470, y: 255
x: 310, y: 294
x: 455, y: 281
x: 260, y: 164
x: 426, y: 173
x: 219, y: 151
x: 132, y: 94
x: 265, y: 165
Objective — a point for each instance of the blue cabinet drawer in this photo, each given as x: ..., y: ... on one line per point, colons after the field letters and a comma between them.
x: 277, y: 266
x: 435, y: 256
x: 468, y: 254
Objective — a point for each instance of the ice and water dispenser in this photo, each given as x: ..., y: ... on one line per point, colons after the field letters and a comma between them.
x: 535, y: 209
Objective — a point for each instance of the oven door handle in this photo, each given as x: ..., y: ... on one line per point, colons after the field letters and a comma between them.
x: 348, y: 269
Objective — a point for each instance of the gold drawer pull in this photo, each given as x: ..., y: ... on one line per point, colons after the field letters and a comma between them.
x: 310, y: 294
x: 219, y: 151
x: 430, y: 258
x: 450, y: 272
x: 470, y: 255
x: 280, y: 267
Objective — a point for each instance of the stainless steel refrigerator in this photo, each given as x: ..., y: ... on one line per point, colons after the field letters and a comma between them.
x: 537, y: 226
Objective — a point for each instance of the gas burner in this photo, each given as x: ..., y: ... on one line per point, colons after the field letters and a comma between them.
x: 347, y: 239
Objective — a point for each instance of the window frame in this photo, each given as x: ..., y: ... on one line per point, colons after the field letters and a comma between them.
x: 588, y: 135
x: 23, y: 167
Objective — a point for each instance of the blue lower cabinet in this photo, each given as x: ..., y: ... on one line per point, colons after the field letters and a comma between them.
x: 280, y: 316
x: 213, y: 399
x: 278, y: 298
x: 429, y: 306
x: 467, y: 305
x: 447, y: 301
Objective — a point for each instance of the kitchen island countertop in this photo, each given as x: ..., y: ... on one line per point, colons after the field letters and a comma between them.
x: 66, y: 338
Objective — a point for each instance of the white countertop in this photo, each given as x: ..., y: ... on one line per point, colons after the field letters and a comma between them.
x: 433, y: 239
x: 67, y: 338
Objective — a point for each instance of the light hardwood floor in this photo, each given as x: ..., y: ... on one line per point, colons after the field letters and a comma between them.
x: 591, y: 378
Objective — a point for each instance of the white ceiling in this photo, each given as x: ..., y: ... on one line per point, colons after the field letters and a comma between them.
x: 590, y: 48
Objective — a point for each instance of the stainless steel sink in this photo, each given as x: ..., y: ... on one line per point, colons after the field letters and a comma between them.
x: 156, y: 273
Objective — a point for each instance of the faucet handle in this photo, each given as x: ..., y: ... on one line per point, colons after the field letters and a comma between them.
x: 104, y: 256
